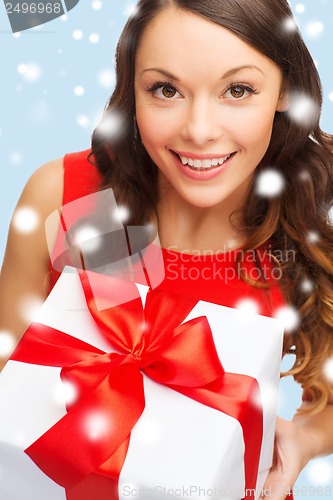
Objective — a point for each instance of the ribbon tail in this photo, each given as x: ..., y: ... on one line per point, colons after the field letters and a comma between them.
x: 104, y: 482
x: 92, y: 430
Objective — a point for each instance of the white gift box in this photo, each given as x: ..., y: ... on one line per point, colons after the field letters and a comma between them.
x: 179, y: 448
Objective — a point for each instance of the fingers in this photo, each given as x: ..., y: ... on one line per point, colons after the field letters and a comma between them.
x: 276, y: 487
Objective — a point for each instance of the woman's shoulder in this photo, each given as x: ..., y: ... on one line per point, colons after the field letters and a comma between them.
x: 61, y: 180
x: 44, y: 188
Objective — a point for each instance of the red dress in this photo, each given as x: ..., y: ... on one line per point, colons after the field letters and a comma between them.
x: 212, y: 277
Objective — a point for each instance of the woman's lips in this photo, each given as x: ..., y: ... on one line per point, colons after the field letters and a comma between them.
x: 199, y: 170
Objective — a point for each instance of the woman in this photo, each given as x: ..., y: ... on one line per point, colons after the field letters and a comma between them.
x: 203, y: 103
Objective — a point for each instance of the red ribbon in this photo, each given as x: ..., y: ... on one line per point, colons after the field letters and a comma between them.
x: 86, y: 459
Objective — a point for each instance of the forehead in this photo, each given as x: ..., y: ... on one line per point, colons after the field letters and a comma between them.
x: 174, y: 33
x: 179, y: 37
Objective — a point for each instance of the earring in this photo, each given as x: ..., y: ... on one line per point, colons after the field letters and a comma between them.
x: 136, y: 129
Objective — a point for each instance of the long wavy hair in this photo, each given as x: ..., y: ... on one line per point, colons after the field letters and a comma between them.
x: 297, y: 220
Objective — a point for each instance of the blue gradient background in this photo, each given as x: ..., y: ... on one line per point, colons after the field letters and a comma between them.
x: 39, y: 120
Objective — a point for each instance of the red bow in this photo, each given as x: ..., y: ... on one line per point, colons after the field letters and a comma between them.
x: 87, y: 459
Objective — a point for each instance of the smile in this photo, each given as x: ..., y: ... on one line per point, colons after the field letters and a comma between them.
x: 204, y: 168
x: 203, y: 164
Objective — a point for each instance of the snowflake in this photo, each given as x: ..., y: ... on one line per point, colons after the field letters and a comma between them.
x: 96, y: 425
x: 65, y: 392
x: 320, y: 472
x: 314, y: 29
x: 106, y: 78
x: 77, y: 35
x: 121, y: 214
x: 110, y: 125
x: 88, y: 237
x: 15, y: 158
x: 94, y: 38
x: 83, y: 121
x: 328, y: 369
x: 270, y: 183
x: 303, y: 109
x: 7, y: 343
x: 31, y: 72
x: 131, y: 10
x: 289, y: 24
x: 29, y: 307
x: 79, y: 90
x: 25, y: 220
x: 288, y: 316
x: 307, y: 286
x: 97, y: 5
x: 300, y: 8
x: 312, y: 237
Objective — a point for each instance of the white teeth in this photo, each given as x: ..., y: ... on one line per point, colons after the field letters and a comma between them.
x: 203, y: 164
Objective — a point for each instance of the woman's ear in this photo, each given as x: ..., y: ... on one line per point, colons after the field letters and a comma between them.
x: 283, y: 102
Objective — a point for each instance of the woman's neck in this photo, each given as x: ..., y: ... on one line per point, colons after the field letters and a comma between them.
x: 186, y: 228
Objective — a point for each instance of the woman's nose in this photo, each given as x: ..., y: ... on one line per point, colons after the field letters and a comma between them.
x: 201, y: 123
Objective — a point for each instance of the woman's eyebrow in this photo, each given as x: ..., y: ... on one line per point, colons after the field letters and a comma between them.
x: 229, y: 73
x: 239, y: 68
x: 163, y: 72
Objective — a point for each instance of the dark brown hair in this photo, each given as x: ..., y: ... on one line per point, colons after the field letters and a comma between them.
x: 301, y: 152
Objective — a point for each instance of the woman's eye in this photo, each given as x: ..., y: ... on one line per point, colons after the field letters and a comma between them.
x: 164, y: 91
x: 239, y: 91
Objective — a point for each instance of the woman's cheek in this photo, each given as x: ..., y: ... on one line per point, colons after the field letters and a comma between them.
x: 158, y: 124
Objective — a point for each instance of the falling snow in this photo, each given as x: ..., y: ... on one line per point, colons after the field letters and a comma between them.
x: 303, y: 109
x: 77, y: 35
x: 320, y: 472
x: 61, y: 69
x: 79, y: 90
x: 110, y: 125
x: 83, y: 121
x: 106, y: 78
x: 65, y: 392
x: 288, y: 316
x: 307, y: 286
x: 30, y: 72
x: 121, y: 214
x: 96, y: 425
x: 248, y: 308
x: 29, y: 307
x: 94, y: 38
x: 328, y: 369
x: 87, y: 236
x: 314, y: 29
x: 15, y: 157
x: 290, y: 25
x: 7, y: 344
x: 270, y: 183
x: 312, y: 237
x: 25, y: 220
x: 300, y: 8
x: 130, y: 10
x: 97, y: 5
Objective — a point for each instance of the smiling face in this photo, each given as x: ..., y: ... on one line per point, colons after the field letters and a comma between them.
x: 205, y: 105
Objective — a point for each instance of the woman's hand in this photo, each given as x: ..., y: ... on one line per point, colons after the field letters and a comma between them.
x: 292, y: 451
